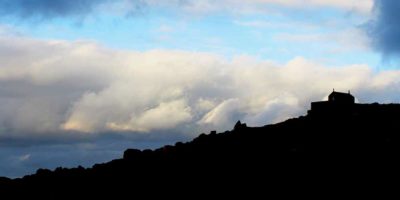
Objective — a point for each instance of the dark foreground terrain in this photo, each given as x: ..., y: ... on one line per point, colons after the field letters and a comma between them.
x: 330, y: 152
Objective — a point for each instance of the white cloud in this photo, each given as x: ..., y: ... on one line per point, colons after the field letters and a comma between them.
x: 346, y: 40
x: 361, y: 6
x: 24, y: 157
x: 234, y: 6
x: 255, y: 23
x: 45, y: 10
x: 357, y: 5
x: 164, y: 116
x: 221, y: 114
x: 57, y: 87
x: 165, y: 29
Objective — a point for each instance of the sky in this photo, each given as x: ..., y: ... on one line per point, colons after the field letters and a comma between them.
x: 83, y: 80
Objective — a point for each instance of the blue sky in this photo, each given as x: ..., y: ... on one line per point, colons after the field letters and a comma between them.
x: 82, y: 80
x: 279, y: 33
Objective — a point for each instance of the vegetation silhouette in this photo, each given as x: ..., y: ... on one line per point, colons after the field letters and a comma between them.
x: 337, y: 143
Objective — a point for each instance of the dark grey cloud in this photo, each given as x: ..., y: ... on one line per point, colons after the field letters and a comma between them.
x: 47, y: 8
x: 17, y: 159
x: 384, y: 29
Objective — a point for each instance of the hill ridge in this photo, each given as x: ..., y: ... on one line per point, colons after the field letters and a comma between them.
x: 342, y: 144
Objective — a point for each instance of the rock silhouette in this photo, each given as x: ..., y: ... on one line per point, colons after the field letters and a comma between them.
x: 337, y: 144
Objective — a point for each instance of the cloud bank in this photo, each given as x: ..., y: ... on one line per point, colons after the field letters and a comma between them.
x: 383, y: 29
x: 360, y: 6
x: 59, y: 87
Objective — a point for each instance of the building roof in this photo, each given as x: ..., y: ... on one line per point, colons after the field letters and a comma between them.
x: 341, y: 94
x: 340, y: 97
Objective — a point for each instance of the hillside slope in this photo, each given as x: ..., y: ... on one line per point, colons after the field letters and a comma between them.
x: 357, y: 148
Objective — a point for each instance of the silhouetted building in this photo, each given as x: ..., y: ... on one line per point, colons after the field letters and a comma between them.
x: 338, y: 104
x: 341, y: 98
x: 343, y: 104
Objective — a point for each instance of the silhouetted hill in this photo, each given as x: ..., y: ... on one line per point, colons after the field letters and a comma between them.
x: 314, y: 152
